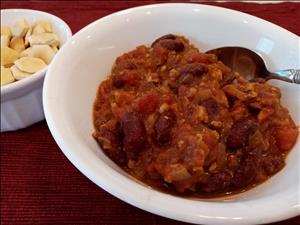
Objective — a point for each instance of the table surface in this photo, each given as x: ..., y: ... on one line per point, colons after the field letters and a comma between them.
x: 39, y: 185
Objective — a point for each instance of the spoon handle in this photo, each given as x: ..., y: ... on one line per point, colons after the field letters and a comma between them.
x: 291, y: 75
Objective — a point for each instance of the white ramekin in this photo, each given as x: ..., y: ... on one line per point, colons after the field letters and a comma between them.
x: 21, y: 101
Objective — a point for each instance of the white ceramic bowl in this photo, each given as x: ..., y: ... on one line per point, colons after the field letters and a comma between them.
x: 21, y: 101
x: 69, y: 92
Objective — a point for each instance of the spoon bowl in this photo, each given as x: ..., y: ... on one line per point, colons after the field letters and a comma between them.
x: 251, y: 65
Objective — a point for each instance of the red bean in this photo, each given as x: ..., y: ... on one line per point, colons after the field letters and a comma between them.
x: 186, y: 79
x: 189, y: 72
x: 172, y: 45
x: 163, y: 127
x: 239, y: 133
x: 134, y: 133
x: 211, y: 106
x: 272, y: 165
x: 246, y: 172
x: 118, y: 83
x: 167, y: 36
x: 169, y: 42
x: 217, y: 182
x: 197, y: 69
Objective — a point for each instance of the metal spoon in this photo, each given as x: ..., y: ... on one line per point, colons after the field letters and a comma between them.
x: 250, y: 65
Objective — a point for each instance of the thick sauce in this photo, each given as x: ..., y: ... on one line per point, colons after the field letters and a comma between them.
x: 181, y: 121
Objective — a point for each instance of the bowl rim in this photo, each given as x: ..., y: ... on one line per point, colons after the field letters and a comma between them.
x: 18, y: 88
x: 114, y: 182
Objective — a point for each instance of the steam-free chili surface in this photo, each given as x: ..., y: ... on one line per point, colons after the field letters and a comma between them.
x: 181, y: 121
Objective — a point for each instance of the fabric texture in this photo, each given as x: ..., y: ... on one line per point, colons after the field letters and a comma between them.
x: 38, y: 183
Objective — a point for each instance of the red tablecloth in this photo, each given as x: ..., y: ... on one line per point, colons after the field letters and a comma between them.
x: 39, y: 185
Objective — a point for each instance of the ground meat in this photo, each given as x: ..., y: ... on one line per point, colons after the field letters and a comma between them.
x: 126, y: 77
x: 286, y: 137
x: 181, y: 121
x: 148, y: 103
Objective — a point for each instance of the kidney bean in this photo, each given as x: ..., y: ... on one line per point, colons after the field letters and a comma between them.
x: 211, y: 106
x: 167, y: 36
x: 186, y: 79
x: 117, y: 82
x: 190, y: 71
x: 239, y: 133
x: 119, y: 133
x: 246, y: 172
x: 134, y: 132
x: 163, y: 127
x: 272, y: 165
x: 172, y: 45
x: 253, y: 110
x: 197, y: 69
x: 169, y: 42
x: 217, y: 182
